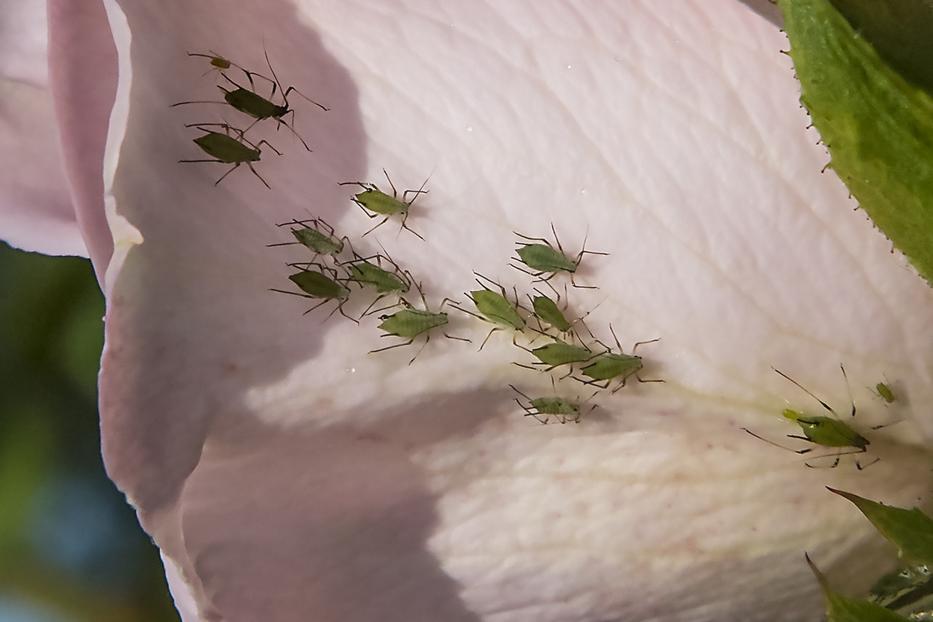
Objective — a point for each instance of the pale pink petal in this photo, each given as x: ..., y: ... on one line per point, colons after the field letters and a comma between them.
x: 83, y: 70
x: 290, y: 476
x: 36, y: 211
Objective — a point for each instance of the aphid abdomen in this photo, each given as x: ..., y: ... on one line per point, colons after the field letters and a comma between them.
x: 497, y: 309
x: 543, y: 258
x: 609, y: 366
x: 560, y: 353
x: 319, y: 285
x: 226, y: 148
x: 410, y: 323
x: 830, y: 432
x: 254, y: 105
x: 546, y: 310
x: 380, y: 203
x: 555, y: 406
x: 317, y: 241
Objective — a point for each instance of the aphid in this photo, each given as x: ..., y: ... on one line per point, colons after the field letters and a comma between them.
x: 495, y: 308
x: 249, y: 102
x: 365, y: 273
x: 610, y: 366
x: 375, y: 203
x: 542, y: 408
x: 410, y: 323
x: 229, y: 150
x: 541, y: 258
x: 556, y: 354
x: 323, y: 284
x: 547, y: 311
x: 884, y: 391
x: 221, y: 63
x: 319, y: 237
x: 822, y: 431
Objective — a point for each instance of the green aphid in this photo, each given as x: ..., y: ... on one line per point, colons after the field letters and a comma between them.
x: 541, y: 259
x: 547, y: 312
x: 410, y: 323
x: 495, y: 308
x: 218, y: 62
x: 615, y: 366
x: 251, y: 103
x: 316, y: 235
x: 365, y: 273
x: 884, y: 391
x: 323, y: 284
x: 556, y: 354
x: 542, y: 408
x: 822, y: 431
x: 375, y: 203
x: 229, y: 150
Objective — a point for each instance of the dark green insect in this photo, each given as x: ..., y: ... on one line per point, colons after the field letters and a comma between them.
x: 542, y: 261
x: 365, y: 273
x: 229, y: 150
x: 542, y: 408
x: 316, y: 235
x: 375, y: 203
x: 323, y: 284
x: 547, y: 312
x: 821, y: 431
x: 495, y: 308
x: 556, y: 354
x: 410, y: 323
x: 884, y: 391
x: 251, y: 103
x: 612, y: 366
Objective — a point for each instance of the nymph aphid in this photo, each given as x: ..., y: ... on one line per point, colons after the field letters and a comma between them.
x: 316, y: 235
x: 323, y: 284
x: 229, y: 150
x: 612, y: 366
x: 368, y: 272
x: 410, y: 323
x: 542, y: 408
x: 542, y: 261
x: 547, y: 312
x: 375, y: 203
x: 495, y: 308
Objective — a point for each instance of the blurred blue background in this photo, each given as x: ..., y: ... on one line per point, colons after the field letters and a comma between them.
x: 70, y: 547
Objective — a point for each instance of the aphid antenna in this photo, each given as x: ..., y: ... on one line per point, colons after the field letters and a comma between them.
x: 285, y: 92
x: 808, y: 392
x: 462, y: 310
x: 784, y: 447
x: 405, y: 226
x: 342, y: 312
x: 837, y: 455
x: 513, y: 387
x: 641, y: 343
x: 583, y: 250
x: 531, y: 239
x: 483, y: 345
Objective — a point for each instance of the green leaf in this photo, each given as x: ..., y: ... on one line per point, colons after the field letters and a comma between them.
x: 866, y: 74
x: 910, y: 530
x: 842, y: 609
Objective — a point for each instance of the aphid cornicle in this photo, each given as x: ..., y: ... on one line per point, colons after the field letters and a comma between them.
x: 495, y: 308
x: 251, y: 103
x: 822, y: 431
x: 375, y: 203
x: 315, y: 235
x: 409, y: 323
x: 610, y: 366
x: 542, y: 408
x: 540, y: 258
x: 365, y: 273
x: 229, y: 150
x: 323, y: 284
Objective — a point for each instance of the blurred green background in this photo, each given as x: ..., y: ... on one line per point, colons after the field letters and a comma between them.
x: 70, y: 547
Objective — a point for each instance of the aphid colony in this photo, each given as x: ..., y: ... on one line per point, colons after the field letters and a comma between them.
x: 335, y: 269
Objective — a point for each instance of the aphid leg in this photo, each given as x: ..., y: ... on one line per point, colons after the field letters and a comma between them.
x: 427, y: 338
x: 884, y: 425
x: 324, y: 301
x: 197, y: 101
x: 404, y: 226
x: 417, y: 193
x: 462, y: 310
x: 835, y: 455
x: 397, y: 345
x: 770, y: 442
x: 557, y: 239
x: 521, y: 269
x: 807, y: 391
x: 250, y: 165
x: 391, y: 185
x: 523, y: 366
x: 641, y: 343
x: 373, y: 303
x: 292, y: 88
x: 583, y: 251
x: 235, y: 167
x: 643, y: 380
x: 382, y: 222
x: 285, y: 291
x: 455, y: 338
x: 528, y: 237
x: 291, y: 128
x: 861, y: 467
x: 219, y: 161
x: 577, y: 285
x: 482, y: 345
x: 848, y: 388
